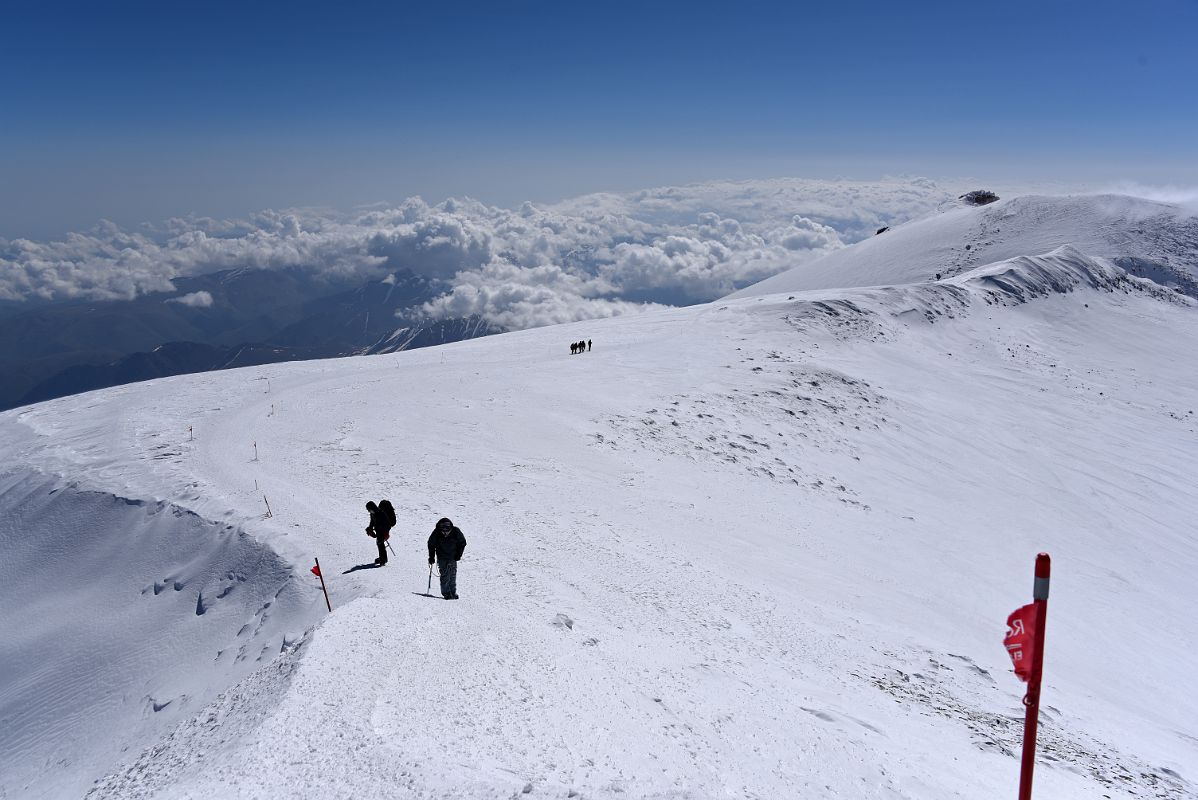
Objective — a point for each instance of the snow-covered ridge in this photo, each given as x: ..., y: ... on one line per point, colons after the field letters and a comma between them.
x: 87, y: 574
x: 759, y: 548
x: 1007, y: 283
x: 1156, y: 240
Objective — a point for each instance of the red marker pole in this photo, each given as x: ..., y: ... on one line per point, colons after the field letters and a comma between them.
x: 1032, y: 699
x: 320, y: 575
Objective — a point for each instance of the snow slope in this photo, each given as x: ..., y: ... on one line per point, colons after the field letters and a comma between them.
x: 1150, y: 239
x: 122, y: 617
x: 760, y: 548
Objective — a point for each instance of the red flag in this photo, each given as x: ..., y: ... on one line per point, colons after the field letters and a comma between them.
x: 1020, y: 640
x: 316, y: 570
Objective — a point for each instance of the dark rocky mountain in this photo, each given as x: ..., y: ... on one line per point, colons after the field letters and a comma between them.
x: 428, y: 334
x: 255, y: 317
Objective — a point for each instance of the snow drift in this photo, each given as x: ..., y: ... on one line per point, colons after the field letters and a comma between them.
x: 120, y: 612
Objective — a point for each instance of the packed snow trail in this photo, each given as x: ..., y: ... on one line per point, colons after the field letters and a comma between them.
x: 759, y: 548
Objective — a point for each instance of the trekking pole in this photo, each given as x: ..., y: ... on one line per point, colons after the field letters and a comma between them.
x: 429, y: 590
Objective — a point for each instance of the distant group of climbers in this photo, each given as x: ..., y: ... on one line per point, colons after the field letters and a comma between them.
x: 445, y: 544
x: 580, y: 347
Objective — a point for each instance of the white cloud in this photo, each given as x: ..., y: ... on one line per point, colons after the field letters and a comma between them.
x: 527, y: 297
x: 108, y: 263
x: 194, y: 300
x: 806, y: 234
x: 531, y: 265
x: 855, y: 209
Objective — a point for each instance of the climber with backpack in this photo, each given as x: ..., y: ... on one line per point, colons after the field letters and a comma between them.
x: 382, y: 520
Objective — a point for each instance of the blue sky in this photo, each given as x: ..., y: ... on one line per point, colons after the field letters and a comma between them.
x: 141, y: 111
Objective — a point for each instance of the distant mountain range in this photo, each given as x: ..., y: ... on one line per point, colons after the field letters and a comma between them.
x: 253, y: 317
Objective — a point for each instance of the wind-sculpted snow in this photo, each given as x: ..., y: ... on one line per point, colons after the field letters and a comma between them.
x: 759, y: 548
x: 958, y: 689
x: 771, y: 432
x: 861, y: 312
x: 195, y: 746
x: 809, y: 411
x: 1159, y: 240
x: 130, y: 613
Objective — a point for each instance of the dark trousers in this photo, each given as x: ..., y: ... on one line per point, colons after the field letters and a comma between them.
x: 381, y: 541
x: 449, y: 576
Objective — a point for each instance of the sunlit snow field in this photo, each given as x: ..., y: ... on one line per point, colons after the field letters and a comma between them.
x: 763, y: 547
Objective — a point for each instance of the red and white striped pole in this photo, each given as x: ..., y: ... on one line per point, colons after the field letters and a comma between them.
x: 1031, y: 700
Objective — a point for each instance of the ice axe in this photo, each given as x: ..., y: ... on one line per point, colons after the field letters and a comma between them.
x: 429, y: 590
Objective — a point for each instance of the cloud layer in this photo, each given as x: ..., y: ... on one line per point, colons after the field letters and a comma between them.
x: 593, y: 256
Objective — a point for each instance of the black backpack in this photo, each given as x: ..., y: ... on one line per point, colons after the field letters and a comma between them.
x: 388, y: 512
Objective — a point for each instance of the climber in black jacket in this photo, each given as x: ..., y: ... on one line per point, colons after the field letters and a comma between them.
x: 445, y: 546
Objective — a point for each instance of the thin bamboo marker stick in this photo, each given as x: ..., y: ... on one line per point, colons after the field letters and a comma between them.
x: 320, y: 574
